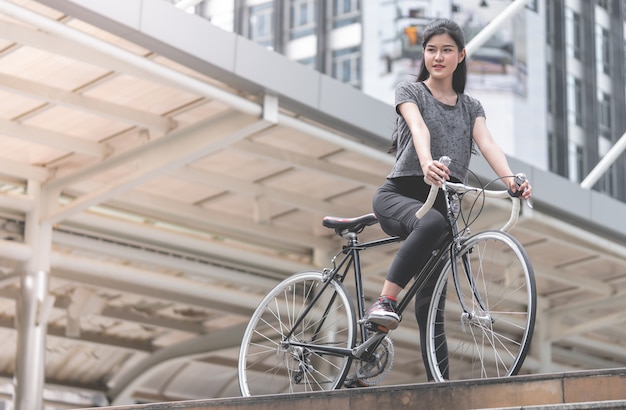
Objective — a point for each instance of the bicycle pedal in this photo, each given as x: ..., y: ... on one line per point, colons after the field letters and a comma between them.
x: 354, y: 383
x: 377, y: 328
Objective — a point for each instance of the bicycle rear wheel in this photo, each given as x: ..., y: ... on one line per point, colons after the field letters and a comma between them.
x: 268, y: 361
x: 492, y: 336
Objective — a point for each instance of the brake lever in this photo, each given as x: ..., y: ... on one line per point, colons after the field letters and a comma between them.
x: 519, y: 180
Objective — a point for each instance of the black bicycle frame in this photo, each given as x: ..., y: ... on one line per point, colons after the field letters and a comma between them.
x: 447, y: 250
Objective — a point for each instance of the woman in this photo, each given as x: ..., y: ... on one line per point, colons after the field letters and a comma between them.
x: 435, y: 118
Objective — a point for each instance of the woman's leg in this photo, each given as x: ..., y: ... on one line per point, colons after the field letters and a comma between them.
x: 396, y: 214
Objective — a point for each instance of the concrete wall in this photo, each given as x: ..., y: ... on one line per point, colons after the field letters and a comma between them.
x: 596, y: 389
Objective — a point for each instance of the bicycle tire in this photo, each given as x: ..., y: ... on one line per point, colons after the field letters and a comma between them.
x: 489, y: 342
x: 268, y: 364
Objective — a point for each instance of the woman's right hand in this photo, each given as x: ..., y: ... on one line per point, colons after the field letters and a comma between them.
x: 435, y: 172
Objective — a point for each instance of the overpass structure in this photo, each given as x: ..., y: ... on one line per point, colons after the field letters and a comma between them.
x: 159, y: 175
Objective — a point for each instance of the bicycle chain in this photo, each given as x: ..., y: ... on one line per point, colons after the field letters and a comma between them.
x: 371, y: 372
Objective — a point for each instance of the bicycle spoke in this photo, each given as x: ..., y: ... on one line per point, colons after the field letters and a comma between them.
x: 278, y: 353
x: 490, y: 327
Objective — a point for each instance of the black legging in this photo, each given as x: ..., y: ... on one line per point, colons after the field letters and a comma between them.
x: 395, y: 204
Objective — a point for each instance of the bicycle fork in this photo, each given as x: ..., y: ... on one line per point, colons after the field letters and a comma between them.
x: 469, y: 315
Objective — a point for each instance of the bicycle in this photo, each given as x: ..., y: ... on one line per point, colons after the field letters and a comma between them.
x: 303, y: 335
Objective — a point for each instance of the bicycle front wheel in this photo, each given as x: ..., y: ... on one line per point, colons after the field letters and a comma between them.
x: 300, y: 310
x: 482, y: 325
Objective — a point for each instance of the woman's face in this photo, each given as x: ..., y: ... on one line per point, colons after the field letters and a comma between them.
x: 442, y: 56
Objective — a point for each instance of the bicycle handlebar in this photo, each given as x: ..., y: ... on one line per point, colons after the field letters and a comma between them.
x: 461, y: 188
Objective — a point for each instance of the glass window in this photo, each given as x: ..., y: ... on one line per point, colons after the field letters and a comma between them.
x: 603, y: 48
x: 603, y: 3
x: 576, y: 162
x: 346, y: 12
x: 557, y: 150
x: 302, y: 17
x: 574, y: 100
x: 261, y: 24
x: 347, y: 66
x: 572, y: 33
x: 608, y: 181
x: 604, y: 115
x: 549, y: 98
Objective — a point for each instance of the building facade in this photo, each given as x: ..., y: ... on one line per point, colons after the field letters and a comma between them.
x: 552, y: 81
x: 585, y: 45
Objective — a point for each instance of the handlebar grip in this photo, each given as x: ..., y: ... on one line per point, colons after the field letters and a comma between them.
x: 430, y: 200
x: 432, y: 194
x: 519, y: 180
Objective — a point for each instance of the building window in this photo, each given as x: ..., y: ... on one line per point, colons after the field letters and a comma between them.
x: 553, y: 153
x: 603, y: 48
x: 603, y: 4
x: 574, y: 100
x: 347, y: 66
x: 608, y: 181
x: 557, y: 151
x: 604, y: 115
x: 302, y: 17
x: 346, y: 12
x: 261, y: 24
x: 572, y: 33
x: 576, y: 162
x: 549, y: 98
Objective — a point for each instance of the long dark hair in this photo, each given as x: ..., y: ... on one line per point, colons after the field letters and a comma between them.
x: 446, y: 26
x: 459, y: 77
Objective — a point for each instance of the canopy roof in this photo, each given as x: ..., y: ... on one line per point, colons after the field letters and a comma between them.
x: 185, y: 171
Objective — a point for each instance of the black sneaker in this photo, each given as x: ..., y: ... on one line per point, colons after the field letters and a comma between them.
x: 383, y: 313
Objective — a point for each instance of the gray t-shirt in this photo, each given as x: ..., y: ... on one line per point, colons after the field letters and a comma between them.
x: 450, y: 130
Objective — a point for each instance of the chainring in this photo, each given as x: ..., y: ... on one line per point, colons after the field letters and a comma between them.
x: 373, y: 371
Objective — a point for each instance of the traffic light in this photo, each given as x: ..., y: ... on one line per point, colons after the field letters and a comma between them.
x: 411, y: 35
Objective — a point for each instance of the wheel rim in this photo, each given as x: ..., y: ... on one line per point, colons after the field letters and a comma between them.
x: 270, y: 364
x: 492, y: 338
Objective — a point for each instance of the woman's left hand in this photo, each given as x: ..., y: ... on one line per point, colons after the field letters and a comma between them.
x: 526, y: 189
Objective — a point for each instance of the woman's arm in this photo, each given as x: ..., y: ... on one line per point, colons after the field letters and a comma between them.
x: 434, y: 171
x: 495, y: 156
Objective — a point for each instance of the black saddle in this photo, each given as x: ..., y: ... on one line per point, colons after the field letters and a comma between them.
x: 349, y: 225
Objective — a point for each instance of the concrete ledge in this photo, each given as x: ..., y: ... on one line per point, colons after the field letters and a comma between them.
x: 603, y: 389
x: 610, y: 404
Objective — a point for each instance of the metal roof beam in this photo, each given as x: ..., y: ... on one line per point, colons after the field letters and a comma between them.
x: 192, y: 266
x: 23, y: 171
x: 85, y: 103
x: 147, y: 206
x: 246, y: 261
x: 559, y: 332
x: 164, y: 155
x: 61, y: 39
x: 125, y: 384
x: 52, y: 139
x: 308, y: 163
x: 135, y: 280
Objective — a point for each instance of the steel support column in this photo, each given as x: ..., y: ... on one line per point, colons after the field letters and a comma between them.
x: 605, y: 163
x: 490, y: 29
x: 33, y: 305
